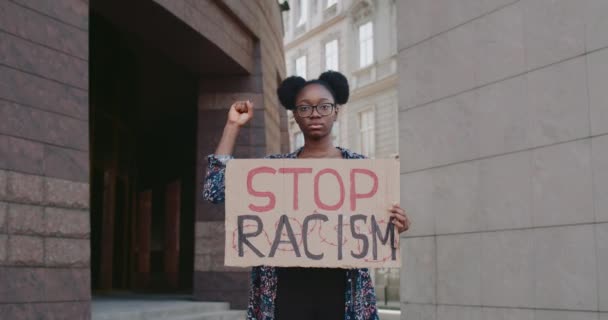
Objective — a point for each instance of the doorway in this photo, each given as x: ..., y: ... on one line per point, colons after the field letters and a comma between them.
x: 143, y: 163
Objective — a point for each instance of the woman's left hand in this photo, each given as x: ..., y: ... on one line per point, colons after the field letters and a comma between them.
x: 399, y: 218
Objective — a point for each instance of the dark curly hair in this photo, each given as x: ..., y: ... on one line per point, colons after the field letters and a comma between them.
x: 335, y: 82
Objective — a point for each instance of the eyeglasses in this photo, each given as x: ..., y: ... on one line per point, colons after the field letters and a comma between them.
x: 323, y: 109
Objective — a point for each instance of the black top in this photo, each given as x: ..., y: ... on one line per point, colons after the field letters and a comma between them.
x: 310, y: 293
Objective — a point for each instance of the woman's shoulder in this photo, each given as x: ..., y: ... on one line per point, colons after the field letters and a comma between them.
x: 346, y: 154
x: 349, y: 154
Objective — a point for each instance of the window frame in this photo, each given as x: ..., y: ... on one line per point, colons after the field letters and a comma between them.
x: 371, y: 127
x: 368, y: 42
x: 336, y: 53
x: 304, y: 65
x: 302, y: 13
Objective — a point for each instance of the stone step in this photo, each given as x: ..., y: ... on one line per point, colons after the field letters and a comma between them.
x: 389, y: 314
x: 217, y: 315
x: 160, y: 310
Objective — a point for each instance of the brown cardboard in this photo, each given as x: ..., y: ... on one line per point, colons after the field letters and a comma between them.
x: 260, y: 199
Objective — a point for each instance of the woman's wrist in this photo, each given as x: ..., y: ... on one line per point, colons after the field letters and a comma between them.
x: 231, y: 131
x: 232, y: 126
x: 228, y: 140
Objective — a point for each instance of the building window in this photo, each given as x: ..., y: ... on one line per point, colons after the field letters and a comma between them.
x: 298, y: 140
x: 366, y: 44
x: 367, y: 133
x: 303, y: 10
x: 301, y: 66
x: 331, y: 55
x: 331, y: 3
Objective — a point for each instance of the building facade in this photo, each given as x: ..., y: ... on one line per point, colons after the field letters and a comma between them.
x: 503, y: 114
x: 107, y: 111
x: 357, y: 38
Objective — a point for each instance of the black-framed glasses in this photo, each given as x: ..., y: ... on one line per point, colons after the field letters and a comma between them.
x: 323, y: 109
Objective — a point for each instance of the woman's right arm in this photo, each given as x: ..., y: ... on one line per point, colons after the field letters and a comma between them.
x: 214, y: 187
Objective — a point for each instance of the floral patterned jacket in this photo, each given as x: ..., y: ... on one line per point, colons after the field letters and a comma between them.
x: 359, y: 296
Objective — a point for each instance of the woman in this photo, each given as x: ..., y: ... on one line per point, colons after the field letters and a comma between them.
x: 302, y: 293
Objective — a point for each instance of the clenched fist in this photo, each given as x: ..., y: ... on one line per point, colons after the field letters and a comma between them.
x: 240, y: 113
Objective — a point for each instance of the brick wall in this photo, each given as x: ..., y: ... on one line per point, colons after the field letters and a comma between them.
x: 213, y: 281
x: 259, y: 23
x: 44, y: 169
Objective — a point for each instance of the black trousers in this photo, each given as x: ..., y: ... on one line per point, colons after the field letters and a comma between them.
x: 310, y: 294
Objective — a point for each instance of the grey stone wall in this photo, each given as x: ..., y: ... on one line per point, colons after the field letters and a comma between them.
x: 503, y: 113
x: 44, y: 167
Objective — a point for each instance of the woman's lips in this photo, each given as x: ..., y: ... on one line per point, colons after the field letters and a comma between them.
x: 315, y: 126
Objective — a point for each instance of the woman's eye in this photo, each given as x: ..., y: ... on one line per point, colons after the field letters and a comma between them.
x: 304, y: 108
x: 325, y: 107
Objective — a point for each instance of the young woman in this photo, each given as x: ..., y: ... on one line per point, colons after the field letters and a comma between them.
x: 302, y: 293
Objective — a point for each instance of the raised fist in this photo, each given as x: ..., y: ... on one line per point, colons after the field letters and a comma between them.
x: 240, y: 113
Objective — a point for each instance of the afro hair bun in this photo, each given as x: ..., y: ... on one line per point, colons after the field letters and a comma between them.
x: 288, y: 90
x: 338, y: 84
x: 334, y: 81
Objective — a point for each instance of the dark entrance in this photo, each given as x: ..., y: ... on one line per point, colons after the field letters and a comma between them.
x: 143, y: 160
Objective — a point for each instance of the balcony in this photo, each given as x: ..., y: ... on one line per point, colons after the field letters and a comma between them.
x: 374, y: 72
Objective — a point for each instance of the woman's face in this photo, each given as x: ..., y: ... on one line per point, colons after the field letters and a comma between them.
x: 316, y: 125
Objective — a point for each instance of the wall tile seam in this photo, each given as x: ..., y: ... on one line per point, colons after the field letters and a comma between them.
x: 593, y: 223
x: 597, y: 266
x: 47, y: 235
x: 45, y: 110
x: 65, y: 68
x: 73, y: 210
x: 587, y: 90
x: 41, y: 267
x: 3, y: 303
x: 506, y: 308
x: 47, y: 178
x: 46, y: 265
x: 480, y: 86
x: 43, y: 237
x: 438, y: 34
x: 82, y: 59
x: 43, y: 143
x: 44, y: 204
x: 497, y: 155
x: 593, y: 185
x: 25, y: 6
x: 83, y: 89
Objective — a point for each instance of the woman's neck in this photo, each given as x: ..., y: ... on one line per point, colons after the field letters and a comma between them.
x: 323, y: 148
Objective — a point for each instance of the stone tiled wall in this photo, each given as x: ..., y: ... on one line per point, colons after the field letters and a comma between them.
x: 504, y: 146
x: 44, y: 168
x: 44, y: 162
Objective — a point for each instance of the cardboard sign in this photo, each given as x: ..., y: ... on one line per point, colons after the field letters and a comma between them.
x: 311, y: 213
